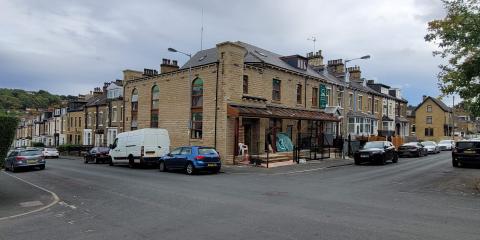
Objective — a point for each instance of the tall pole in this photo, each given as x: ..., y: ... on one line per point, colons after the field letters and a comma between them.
x: 190, y: 100
x: 453, y: 119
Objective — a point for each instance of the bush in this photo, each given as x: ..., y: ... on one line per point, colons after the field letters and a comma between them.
x: 38, y: 144
x: 8, y: 126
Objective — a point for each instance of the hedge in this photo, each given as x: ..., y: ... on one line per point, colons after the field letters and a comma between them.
x: 8, y: 126
x: 38, y: 144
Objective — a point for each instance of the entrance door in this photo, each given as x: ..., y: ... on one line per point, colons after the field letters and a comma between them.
x: 251, y: 134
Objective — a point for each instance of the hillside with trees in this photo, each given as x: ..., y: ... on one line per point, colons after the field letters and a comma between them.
x: 18, y: 99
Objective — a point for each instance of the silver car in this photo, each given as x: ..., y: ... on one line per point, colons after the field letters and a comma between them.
x: 24, y: 159
x: 431, y: 147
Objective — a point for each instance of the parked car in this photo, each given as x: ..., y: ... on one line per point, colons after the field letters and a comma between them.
x: 191, y: 159
x: 97, y: 155
x: 376, y: 151
x: 24, y: 158
x: 50, y: 152
x: 144, y: 146
x: 431, y: 146
x: 446, y: 145
x: 466, y: 151
x: 412, y: 149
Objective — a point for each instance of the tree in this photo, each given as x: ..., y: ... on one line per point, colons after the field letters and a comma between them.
x: 8, y: 125
x: 458, y: 37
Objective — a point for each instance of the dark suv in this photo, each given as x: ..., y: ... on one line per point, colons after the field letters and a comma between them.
x: 466, y: 151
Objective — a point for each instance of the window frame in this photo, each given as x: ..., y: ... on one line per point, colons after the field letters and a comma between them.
x: 154, y: 106
x: 245, y: 84
x: 315, y: 97
x: 299, y: 93
x: 276, y: 90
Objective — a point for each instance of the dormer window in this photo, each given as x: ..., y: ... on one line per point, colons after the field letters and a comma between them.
x: 302, y: 64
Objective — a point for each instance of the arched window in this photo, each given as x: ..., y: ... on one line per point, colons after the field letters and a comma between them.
x: 134, y: 101
x: 197, y: 108
x: 154, y: 107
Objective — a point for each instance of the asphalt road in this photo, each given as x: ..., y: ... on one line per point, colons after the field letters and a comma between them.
x: 422, y: 198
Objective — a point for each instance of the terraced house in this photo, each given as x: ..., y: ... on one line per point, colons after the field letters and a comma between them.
x: 237, y: 93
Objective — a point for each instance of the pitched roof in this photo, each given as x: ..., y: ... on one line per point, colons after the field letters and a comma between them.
x: 256, y: 55
x: 442, y: 105
x: 100, y: 99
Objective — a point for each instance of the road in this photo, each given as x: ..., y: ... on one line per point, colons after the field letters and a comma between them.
x: 417, y: 198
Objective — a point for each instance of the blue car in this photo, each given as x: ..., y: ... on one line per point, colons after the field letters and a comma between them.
x: 192, y: 159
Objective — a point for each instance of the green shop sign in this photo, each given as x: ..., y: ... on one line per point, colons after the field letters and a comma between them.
x: 323, y: 96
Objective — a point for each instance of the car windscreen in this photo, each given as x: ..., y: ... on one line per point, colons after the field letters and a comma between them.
x: 30, y: 153
x: 51, y: 149
x: 103, y: 149
x: 464, y: 145
x: 446, y: 141
x: 427, y: 143
x: 206, y: 151
x: 411, y: 144
x: 373, y: 145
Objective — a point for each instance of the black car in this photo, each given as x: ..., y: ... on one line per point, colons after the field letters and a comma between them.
x: 412, y: 149
x: 466, y: 151
x: 97, y: 155
x: 376, y: 151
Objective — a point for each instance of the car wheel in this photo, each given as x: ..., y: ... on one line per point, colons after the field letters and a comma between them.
x: 42, y: 167
x: 12, y: 168
x: 110, y: 162
x: 190, y: 169
x: 395, y: 158
x: 162, y: 167
x: 357, y: 162
x: 454, y: 163
x: 85, y: 161
x: 95, y: 160
x: 6, y: 168
x: 131, y: 162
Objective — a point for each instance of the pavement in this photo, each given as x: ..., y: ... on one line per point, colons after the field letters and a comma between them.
x: 417, y: 198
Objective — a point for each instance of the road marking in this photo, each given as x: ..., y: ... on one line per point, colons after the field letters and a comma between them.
x: 55, y: 199
x: 31, y: 204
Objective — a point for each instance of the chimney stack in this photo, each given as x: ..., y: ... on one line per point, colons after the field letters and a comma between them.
x: 354, y: 73
x: 97, y: 91
x: 424, y: 97
x: 168, y: 66
x: 315, y: 60
x: 336, y: 67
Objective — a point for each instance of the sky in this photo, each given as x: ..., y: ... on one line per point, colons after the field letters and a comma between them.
x: 70, y: 47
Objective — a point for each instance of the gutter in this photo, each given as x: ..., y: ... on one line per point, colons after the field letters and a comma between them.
x: 216, y: 106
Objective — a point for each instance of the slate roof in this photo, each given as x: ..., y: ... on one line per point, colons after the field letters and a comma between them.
x: 442, y: 105
x: 96, y: 100
x: 256, y: 55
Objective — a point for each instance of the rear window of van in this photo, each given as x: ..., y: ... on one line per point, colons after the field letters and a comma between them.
x: 465, y: 145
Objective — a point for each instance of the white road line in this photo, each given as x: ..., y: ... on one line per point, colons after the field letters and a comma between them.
x: 55, y: 199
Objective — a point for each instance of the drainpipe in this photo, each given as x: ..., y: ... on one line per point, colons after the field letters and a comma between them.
x: 216, y: 106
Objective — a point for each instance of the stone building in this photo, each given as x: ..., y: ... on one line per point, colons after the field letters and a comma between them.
x: 433, y: 120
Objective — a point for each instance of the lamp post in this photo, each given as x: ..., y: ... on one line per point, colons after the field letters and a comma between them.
x: 345, y: 127
x: 189, y: 87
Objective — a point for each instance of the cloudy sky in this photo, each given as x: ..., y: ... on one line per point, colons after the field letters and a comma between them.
x: 69, y: 47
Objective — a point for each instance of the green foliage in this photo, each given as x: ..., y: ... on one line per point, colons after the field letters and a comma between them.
x: 21, y: 99
x: 70, y: 147
x: 8, y: 125
x: 458, y: 37
x: 38, y: 144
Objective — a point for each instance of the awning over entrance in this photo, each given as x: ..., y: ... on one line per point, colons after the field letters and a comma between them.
x: 386, y: 119
x: 401, y: 119
x: 361, y: 114
x: 279, y: 112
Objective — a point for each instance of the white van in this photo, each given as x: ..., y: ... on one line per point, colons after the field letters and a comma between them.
x: 144, y: 146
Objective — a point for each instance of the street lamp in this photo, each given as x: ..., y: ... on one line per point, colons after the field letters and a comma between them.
x: 345, y: 119
x: 190, y: 87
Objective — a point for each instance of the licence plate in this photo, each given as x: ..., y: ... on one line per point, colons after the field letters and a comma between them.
x: 212, y: 164
x: 469, y: 151
x: 32, y: 161
x: 364, y: 155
